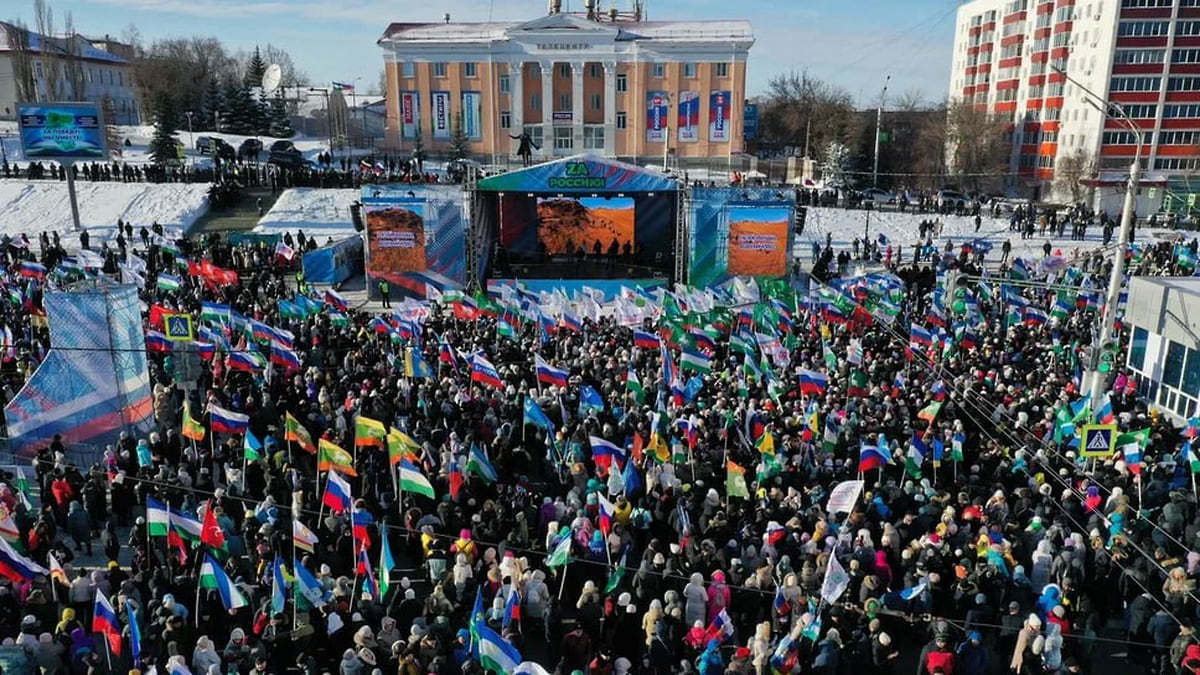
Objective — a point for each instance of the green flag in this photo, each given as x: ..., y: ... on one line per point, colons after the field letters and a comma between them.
x: 616, y: 574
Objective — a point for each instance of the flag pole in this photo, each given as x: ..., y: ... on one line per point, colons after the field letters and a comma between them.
x: 108, y: 653
x: 563, y: 581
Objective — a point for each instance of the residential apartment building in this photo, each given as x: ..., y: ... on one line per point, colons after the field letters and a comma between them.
x: 1142, y: 54
x: 101, y: 73
x: 607, y: 83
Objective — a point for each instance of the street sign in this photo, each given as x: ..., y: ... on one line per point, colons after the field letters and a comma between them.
x: 1099, y: 440
x: 187, y: 366
x: 178, y: 327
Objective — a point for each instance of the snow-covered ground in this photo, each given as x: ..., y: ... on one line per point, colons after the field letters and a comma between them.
x: 43, y: 206
x: 319, y: 212
x: 901, y: 229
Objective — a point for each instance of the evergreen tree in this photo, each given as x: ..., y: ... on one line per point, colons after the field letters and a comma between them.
x: 163, y: 146
x: 212, y: 106
x: 241, y: 112
x: 460, y: 145
x: 262, y: 115
x: 255, y: 69
x: 281, y: 122
x: 229, y: 105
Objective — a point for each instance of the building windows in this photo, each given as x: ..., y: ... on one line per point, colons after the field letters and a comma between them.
x: 658, y: 70
x: 505, y: 120
x: 1183, y: 84
x: 1134, y: 4
x: 1142, y: 111
x: 439, y: 69
x: 1141, y: 55
x: 563, y: 140
x: 505, y: 84
x: 408, y: 69
x: 597, y: 101
x: 721, y: 69
x: 564, y: 101
x: 120, y: 78
x: 595, y: 70
x: 622, y: 120
x: 535, y: 134
x: 1187, y: 28
x: 535, y: 101
x: 1185, y: 56
x: 593, y: 137
x: 1137, y: 83
x: 1006, y: 95
x: 689, y: 70
x: 37, y: 69
x: 1177, y: 163
x: 1125, y: 138
x: 1176, y: 110
x: 470, y: 70
x: 564, y: 70
x: 1178, y: 137
x: 1145, y: 28
x: 622, y: 82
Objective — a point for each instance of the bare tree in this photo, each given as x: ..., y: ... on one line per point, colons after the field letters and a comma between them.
x: 131, y: 36
x: 112, y: 136
x: 929, y: 150
x: 803, y: 111
x: 976, y: 146
x: 22, y: 61
x: 911, y: 100
x: 72, y: 63
x: 381, y: 85
x: 181, y: 69
x: 293, y: 76
x: 1073, y: 172
x: 51, y: 73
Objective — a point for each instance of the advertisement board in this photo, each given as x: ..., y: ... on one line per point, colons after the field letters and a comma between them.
x: 61, y: 131
x: 718, y: 116
x: 689, y: 117
x: 750, y: 122
x: 410, y: 113
x: 395, y: 238
x: 656, y: 116
x: 472, y: 112
x: 441, y: 114
x: 758, y: 237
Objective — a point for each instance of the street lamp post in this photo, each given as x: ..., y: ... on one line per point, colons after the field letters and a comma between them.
x: 667, y: 138
x: 1117, y: 278
x: 191, y: 137
x: 879, y: 131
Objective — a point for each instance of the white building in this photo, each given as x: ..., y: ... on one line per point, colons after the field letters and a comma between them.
x: 1164, y: 352
x: 1142, y: 54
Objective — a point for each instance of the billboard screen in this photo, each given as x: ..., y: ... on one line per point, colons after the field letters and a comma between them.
x: 758, y: 237
x: 566, y: 224
x: 395, y: 239
x: 61, y: 131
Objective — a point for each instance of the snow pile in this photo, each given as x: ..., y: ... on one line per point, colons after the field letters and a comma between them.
x: 43, y: 206
x: 319, y: 212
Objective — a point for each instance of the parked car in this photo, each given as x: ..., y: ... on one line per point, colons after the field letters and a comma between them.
x: 284, y: 153
x: 205, y: 144
x: 950, y: 198
x: 250, y: 148
x: 879, y: 196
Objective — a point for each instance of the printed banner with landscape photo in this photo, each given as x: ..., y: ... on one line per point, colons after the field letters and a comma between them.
x: 395, y: 239
x: 758, y: 237
x: 565, y: 224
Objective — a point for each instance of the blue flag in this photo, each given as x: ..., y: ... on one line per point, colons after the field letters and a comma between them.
x: 536, y: 416
x: 631, y: 477
x: 278, y: 587
x: 589, y: 400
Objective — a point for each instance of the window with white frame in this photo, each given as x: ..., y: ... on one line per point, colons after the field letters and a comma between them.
x: 505, y: 120
x: 564, y: 70
x: 721, y: 69
x: 535, y: 101
x: 1143, y: 55
x: 505, y: 84
x: 563, y: 140
x: 593, y: 137
x: 622, y: 82
x: 595, y: 71
x: 439, y: 69
x: 564, y: 101
x: 597, y: 101
x: 408, y: 69
x: 622, y: 120
x: 470, y: 70
x: 658, y: 70
x: 689, y: 69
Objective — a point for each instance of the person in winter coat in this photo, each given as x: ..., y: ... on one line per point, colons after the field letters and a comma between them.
x: 204, y: 655
x: 350, y: 664
x: 972, y: 657
x: 1024, y: 660
x: 1052, y: 648
x: 883, y: 654
x: 718, y: 595
x: 936, y: 656
x: 79, y: 526
x: 710, y: 662
x: 829, y: 654
x: 697, y: 600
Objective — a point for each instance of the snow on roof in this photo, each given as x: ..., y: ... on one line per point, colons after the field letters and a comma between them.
x: 58, y: 45
x: 666, y: 31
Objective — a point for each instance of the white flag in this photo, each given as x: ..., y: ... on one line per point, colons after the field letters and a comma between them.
x: 843, y: 496
x: 836, y: 581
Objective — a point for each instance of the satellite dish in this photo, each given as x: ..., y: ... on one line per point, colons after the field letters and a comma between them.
x: 271, y: 77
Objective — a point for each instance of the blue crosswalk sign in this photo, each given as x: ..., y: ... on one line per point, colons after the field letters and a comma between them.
x: 178, y: 327
x: 1098, y: 440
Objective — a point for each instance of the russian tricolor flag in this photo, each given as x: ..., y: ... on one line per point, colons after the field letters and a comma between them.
x: 104, y: 622
x: 1104, y: 413
x: 603, y: 451
x: 243, y: 361
x: 16, y: 567
x: 285, y: 358
x: 873, y: 457
x: 336, y: 301
x: 813, y: 382
x: 645, y: 340
x: 721, y: 628
x: 224, y: 421
x: 484, y: 372
x: 33, y: 270
x: 157, y: 343
x: 607, y: 511
x: 572, y: 322
x: 337, y: 493
x: 549, y: 374
x: 920, y: 336
x: 1035, y: 317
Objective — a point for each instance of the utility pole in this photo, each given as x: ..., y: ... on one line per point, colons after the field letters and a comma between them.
x: 879, y: 131
x: 324, y: 91
x: 1116, y: 279
x: 667, y: 138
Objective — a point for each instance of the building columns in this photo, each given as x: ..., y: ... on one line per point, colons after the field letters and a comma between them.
x: 577, y: 106
x: 516, y: 88
x: 547, y: 68
x: 610, y: 108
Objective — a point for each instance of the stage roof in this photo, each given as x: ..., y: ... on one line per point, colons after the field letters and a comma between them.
x: 580, y: 174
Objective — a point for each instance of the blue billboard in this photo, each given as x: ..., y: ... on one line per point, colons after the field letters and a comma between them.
x: 750, y: 122
x: 62, y: 131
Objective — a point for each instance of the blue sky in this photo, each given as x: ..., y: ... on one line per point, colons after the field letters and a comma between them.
x: 854, y: 43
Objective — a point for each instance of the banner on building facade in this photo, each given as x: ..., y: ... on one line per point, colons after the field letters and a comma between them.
x: 441, y: 114
x: 656, y: 116
x: 472, y: 112
x: 689, y: 116
x: 410, y: 113
x: 718, y: 116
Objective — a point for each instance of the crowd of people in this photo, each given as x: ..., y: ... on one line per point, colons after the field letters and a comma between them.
x: 661, y: 482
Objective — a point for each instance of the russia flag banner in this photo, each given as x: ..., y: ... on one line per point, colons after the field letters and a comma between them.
x: 483, y: 372
x: 224, y: 421
x: 337, y: 493
x: 812, y: 382
x: 549, y: 374
x: 645, y: 340
x: 104, y: 622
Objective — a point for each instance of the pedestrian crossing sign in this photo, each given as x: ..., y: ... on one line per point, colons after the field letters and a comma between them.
x: 178, y: 327
x: 1099, y: 440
